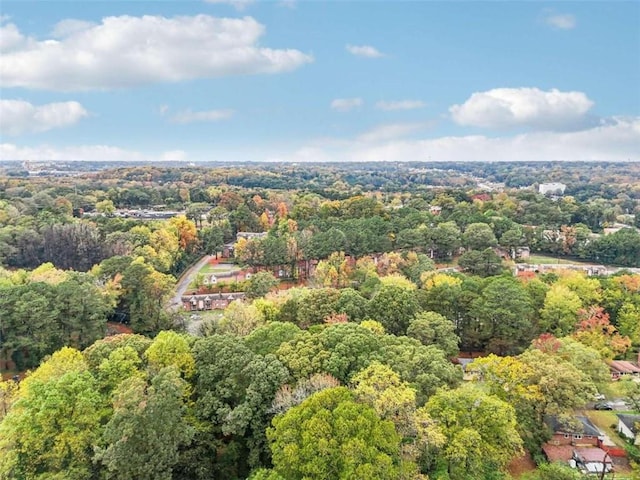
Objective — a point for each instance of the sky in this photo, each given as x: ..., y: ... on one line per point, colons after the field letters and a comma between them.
x: 303, y: 80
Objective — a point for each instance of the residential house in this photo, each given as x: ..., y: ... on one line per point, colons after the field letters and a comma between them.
x: 578, y: 432
x: 621, y: 368
x: 211, y: 301
x: 628, y: 427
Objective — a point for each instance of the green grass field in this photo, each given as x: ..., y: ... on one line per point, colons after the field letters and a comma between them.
x: 545, y: 260
x: 604, y: 419
x: 217, y: 269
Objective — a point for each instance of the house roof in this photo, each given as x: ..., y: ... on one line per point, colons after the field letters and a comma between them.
x: 558, y: 453
x: 622, y: 366
x: 630, y: 421
x: 583, y: 426
x: 592, y: 455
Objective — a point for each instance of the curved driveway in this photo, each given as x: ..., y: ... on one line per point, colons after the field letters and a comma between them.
x: 185, y: 280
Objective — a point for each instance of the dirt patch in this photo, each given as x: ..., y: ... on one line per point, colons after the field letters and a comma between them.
x: 521, y: 465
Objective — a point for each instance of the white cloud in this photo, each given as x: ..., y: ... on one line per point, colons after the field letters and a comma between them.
x: 364, y: 51
x: 18, y: 116
x: 188, y: 116
x: 237, y: 4
x: 10, y: 38
x: 561, y: 21
x: 400, y: 105
x: 390, y: 132
x: 528, y: 107
x: 128, y: 51
x: 70, y: 26
x: 346, y: 104
x: 617, y: 139
x: 96, y: 153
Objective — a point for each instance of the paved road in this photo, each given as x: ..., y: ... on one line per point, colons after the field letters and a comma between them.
x: 184, y: 282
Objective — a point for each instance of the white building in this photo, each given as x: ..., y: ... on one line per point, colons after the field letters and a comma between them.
x: 556, y: 188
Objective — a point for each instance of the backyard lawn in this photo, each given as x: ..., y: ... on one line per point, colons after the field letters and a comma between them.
x: 606, y: 421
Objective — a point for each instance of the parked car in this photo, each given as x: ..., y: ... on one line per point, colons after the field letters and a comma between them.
x: 603, y: 406
x: 599, y: 396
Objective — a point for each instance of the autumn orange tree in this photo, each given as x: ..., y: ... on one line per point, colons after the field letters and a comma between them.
x: 595, y: 330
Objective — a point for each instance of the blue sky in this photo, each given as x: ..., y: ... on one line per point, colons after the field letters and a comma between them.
x: 320, y: 80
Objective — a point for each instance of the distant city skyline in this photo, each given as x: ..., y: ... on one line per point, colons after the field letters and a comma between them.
x: 243, y: 80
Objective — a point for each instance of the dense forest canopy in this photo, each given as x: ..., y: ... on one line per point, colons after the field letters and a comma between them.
x: 367, y: 284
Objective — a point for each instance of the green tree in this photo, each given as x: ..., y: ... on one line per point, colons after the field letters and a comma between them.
x: 394, y: 307
x: 351, y: 303
x: 512, y: 238
x: 503, y: 317
x: 415, y: 264
x: 171, y: 349
x: 329, y: 435
x: 564, y: 388
x: 444, y: 240
x: 52, y: 427
x: 100, y: 350
x: 514, y: 381
x: 628, y: 323
x: 431, y: 328
x: 268, y: 338
x: 148, y: 426
x: 240, y: 318
x: 426, y: 368
x: 122, y: 364
x: 587, y: 289
x: 484, y: 263
x: 480, y: 430
x: 106, y: 207
x: 631, y: 392
x: 260, y: 284
x: 586, y: 359
x: 555, y: 471
x: 234, y: 390
x: 315, y: 305
x: 478, y: 236
x: 560, y: 312
x: 381, y: 388
x: 212, y: 240
x: 265, y: 474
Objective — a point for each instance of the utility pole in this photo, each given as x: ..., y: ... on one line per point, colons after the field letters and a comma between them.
x: 604, y: 465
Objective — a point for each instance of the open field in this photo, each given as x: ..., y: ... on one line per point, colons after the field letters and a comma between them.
x: 546, y: 260
x: 216, y: 269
